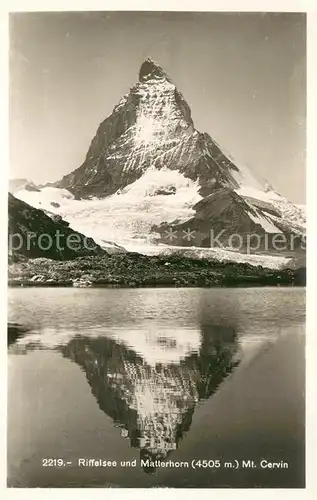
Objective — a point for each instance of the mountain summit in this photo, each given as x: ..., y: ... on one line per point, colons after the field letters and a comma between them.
x: 151, y: 71
x: 150, y: 127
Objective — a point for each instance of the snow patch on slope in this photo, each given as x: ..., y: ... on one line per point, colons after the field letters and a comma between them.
x: 44, y: 198
x: 263, y: 221
x: 218, y: 254
x: 127, y: 214
x: 158, y: 179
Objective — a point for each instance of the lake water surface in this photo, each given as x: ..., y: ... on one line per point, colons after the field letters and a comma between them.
x: 166, y: 375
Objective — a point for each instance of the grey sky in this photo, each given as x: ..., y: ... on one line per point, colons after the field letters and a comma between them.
x: 243, y: 75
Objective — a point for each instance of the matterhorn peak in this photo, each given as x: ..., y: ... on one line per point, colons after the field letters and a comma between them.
x: 149, y: 150
x: 150, y: 70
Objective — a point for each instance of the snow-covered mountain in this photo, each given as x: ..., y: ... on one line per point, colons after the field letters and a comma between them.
x: 151, y: 179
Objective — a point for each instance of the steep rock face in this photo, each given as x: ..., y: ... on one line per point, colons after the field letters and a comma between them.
x: 222, y: 213
x: 32, y: 233
x: 151, y: 126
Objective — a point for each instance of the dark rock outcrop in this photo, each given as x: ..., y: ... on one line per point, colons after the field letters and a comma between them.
x: 32, y: 234
x: 222, y: 218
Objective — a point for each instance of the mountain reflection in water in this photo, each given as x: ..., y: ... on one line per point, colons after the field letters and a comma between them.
x: 121, y: 374
x: 154, y: 402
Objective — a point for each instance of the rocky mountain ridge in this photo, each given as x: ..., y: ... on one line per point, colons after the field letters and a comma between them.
x: 32, y: 233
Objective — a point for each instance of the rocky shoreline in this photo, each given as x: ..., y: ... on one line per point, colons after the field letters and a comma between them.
x: 134, y: 270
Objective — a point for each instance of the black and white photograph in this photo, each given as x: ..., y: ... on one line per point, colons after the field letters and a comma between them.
x: 156, y: 250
